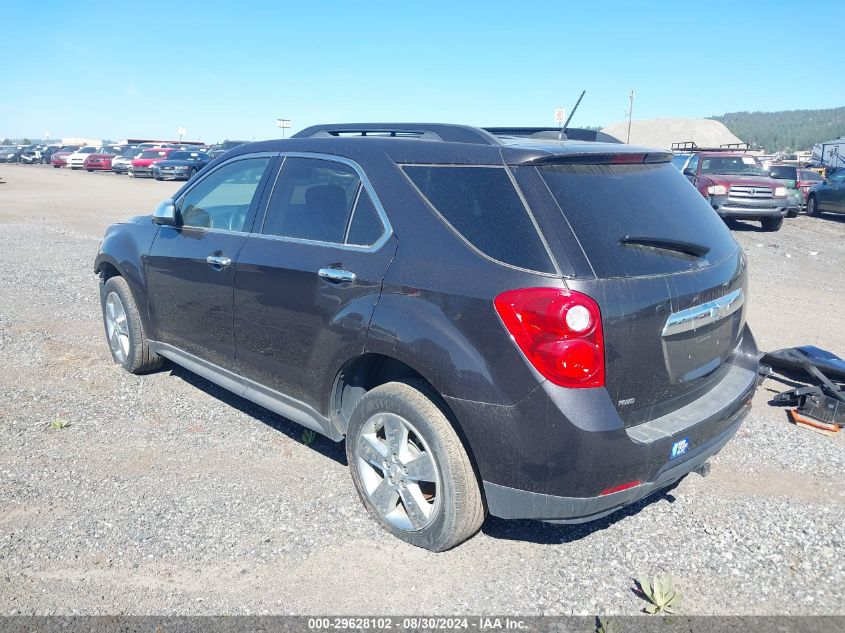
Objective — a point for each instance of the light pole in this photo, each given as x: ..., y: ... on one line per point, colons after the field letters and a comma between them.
x: 283, y: 124
x: 630, y: 113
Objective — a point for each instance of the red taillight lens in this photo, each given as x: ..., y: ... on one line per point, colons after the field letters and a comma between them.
x: 559, y: 331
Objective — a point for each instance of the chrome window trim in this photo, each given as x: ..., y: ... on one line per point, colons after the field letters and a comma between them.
x: 704, y: 314
x: 473, y: 247
x: 387, y: 228
x: 234, y: 159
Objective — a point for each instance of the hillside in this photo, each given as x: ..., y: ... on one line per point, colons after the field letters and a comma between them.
x: 787, y: 130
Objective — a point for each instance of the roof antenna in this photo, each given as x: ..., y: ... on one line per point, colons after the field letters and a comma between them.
x: 569, y: 118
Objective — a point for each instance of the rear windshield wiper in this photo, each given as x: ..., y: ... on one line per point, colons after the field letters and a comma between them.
x: 699, y: 250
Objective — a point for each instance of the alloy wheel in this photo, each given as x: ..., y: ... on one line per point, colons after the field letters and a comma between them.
x: 398, y: 472
x: 117, y: 327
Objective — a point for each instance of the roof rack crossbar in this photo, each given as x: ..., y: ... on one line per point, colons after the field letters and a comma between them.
x: 422, y: 131
x: 692, y: 146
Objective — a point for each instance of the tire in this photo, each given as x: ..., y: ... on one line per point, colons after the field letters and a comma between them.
x: 813, y: 207
x: 124, y: 330
x: 158, y: 178
x: 771, y: 224
x: 90, y: 171
x: 56, y: 166
x: 792, y: 214
x: 442, y: 513
x: 193, y: 173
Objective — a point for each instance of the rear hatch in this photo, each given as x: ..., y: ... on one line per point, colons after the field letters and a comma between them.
x: 668, y: 276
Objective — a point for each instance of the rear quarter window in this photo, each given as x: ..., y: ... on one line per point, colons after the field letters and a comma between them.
x: 481, y: 204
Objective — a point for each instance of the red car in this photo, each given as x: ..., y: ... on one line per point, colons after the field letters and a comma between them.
x: 59, y: 159
x: 142, y: 167
x: 737, y: 188
x: 100, y: 161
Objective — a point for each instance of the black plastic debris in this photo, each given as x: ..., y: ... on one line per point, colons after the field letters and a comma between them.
x: 821, y: 403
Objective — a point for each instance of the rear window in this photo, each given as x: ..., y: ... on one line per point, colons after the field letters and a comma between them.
x: 807, y: 174
x: 782, y: 172
x: 481, y: 204
x: 605, y: 204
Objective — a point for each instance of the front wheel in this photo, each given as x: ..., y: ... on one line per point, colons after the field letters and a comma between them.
x: 813, y: 207
x: 771, y: 224
x: 410, y: 468
x: 124, y: 330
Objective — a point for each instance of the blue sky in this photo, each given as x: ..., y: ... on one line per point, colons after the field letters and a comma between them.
x: 112, y: 70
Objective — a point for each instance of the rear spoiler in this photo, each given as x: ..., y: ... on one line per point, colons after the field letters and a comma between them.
x: 601, y: 158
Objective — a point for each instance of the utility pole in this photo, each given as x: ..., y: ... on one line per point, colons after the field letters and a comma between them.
x: 630, y: 113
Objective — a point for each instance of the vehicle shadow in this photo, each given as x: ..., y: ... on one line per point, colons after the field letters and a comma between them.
x: 554, y: 534
x: 321, y: 444
x: 745, y: 226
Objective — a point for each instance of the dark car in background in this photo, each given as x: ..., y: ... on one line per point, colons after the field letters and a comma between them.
x: 827, y: 196
x: 796, y: 180
x: 535, y: 329
x: 10, y: 154
x: 180, y: 165
x: 222, y: 148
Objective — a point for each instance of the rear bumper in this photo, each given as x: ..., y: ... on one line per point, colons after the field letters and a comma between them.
x: 728, y: 207
x: 550, y: 456
x: 510, y: 503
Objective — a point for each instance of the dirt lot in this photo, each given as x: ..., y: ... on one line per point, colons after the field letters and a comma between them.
x: 166, y: 495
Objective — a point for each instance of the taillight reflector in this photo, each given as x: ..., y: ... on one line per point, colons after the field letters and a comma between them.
x: 620, y: 488
x: 559, y: 331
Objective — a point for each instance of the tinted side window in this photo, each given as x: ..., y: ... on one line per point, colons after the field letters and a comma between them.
x: 365, y: 227
x: 222, y: 199
x: 482, y: 205
x: 312, y: 200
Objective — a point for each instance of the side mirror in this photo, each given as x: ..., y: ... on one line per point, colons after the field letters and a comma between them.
x: 689, y: 172
x: 165, y: 213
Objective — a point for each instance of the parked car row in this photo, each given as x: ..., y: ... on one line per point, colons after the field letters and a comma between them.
x: 162, y: 161
x: 147, y: 160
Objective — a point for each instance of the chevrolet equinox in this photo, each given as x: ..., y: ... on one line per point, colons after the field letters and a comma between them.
x: 493, y: 322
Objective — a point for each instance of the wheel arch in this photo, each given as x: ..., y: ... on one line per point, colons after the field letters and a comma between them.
x: 369, y: 370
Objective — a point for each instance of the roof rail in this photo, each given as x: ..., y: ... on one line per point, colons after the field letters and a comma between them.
x: 691, y: 146
x: 570, y: 133
x: 423, y: 131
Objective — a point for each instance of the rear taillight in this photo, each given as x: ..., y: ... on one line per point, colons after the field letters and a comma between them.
x: 559, y: 331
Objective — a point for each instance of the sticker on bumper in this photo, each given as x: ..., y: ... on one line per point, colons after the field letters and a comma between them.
x: 679, y: 448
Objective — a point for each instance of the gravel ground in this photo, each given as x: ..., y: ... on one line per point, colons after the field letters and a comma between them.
x: 166, y: 495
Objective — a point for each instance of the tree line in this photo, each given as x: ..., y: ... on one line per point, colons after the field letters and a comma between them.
x: 789, y: 130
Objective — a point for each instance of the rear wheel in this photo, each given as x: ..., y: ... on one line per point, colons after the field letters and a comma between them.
x: 124, y: 330
x: 771, y: 224
x: 813, y: 207
x: 410, y: 468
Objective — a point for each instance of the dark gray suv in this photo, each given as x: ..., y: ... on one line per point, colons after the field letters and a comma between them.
x: 518, y: 325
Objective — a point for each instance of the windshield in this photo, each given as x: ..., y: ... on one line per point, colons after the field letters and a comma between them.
x: 679, y: 160
x: 782, y: 172
x: 807, y: 174
x: 731, y: 165
x: 153, y: 153
x: 193, y: 156
x: 87, y: 150
x: 614, y: 209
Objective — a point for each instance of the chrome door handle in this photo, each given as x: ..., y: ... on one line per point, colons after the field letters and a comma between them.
x: 218, y: 260
x: 335, y: 274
